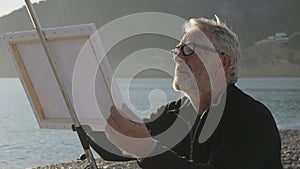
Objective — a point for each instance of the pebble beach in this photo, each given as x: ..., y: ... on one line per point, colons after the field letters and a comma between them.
x: 290, y: 155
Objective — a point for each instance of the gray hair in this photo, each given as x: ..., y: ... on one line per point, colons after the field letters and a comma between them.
x: 223, y: 39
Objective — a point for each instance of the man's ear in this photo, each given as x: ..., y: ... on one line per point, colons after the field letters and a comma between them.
x: 226, y: 61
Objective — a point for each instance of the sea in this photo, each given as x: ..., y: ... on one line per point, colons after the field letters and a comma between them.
x: 24, y: 145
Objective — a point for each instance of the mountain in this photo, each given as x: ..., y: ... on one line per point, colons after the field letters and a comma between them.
x: 271, y: 59
x: 252, y: 20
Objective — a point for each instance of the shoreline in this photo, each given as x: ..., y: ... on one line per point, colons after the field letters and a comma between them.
x: 290, y: 156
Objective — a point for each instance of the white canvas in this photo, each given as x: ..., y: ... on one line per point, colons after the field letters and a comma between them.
x: 83, y: 66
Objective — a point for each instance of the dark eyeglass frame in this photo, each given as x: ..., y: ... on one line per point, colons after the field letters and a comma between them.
x: 189, y: 49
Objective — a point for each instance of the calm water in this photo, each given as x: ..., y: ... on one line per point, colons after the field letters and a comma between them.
x: 23, y: 144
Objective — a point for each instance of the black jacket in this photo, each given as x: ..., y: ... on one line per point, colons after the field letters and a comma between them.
x: 246, y: 136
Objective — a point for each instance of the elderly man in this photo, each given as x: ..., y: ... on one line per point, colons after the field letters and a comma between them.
x: 215, y: 125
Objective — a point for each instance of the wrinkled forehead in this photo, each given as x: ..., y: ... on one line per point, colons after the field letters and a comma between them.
x: 196, y: 36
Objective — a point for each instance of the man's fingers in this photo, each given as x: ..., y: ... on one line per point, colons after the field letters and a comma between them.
x: 125, y: 126
x: 112, y: 134
x: 125, y: 116
x: 131, y: 116
x: 119, y: 119
x: 116, y: 115
x: 112, y: 123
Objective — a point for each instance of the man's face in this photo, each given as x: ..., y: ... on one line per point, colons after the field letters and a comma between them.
x: 193, y: 72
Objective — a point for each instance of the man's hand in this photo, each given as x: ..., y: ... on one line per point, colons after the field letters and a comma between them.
x: 128, y: 133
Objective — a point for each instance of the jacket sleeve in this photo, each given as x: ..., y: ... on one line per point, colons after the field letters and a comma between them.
x: 246, y: 146
x: 162, y: 157
x: 160, y: 120
x: 169, y: 159
x: 246, y: 143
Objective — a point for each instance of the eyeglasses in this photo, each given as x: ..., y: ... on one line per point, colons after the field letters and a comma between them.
x: 189, y: 49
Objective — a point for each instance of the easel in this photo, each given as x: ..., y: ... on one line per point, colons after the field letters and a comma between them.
x: 84, y: 139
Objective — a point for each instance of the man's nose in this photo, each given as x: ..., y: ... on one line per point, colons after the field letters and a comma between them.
x: 178, y: 58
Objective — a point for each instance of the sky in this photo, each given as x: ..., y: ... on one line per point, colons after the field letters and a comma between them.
x: 7, y: 6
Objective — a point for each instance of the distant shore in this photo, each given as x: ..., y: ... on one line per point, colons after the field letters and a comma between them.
x: 290, y: 156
